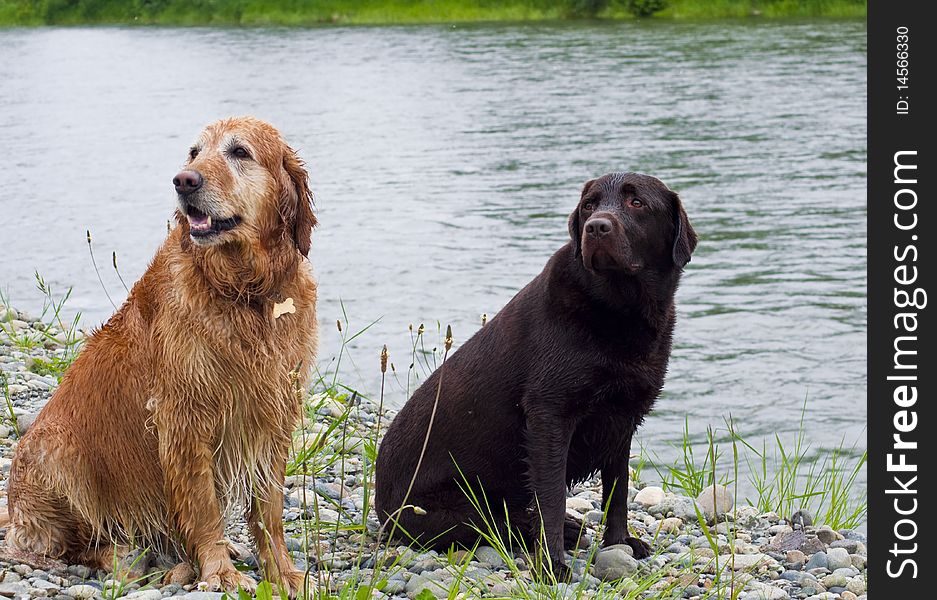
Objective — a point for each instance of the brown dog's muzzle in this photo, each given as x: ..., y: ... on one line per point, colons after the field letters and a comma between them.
x: 605, y: 246
x: 598, y: 227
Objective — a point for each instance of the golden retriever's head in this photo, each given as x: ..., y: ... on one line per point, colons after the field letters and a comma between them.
x: 243, y: 185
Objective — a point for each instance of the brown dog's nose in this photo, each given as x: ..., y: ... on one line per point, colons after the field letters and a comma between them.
x: 598, y: 227
x: 187, y: 181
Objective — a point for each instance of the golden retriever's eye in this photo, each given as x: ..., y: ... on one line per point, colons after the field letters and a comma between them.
x: 636, y: 203
x: 240, y: 152
x: 193, y: 152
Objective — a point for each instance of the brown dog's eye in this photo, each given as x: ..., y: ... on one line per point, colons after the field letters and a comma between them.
x: 636, y: 203
x: 240, y: 152
x: 193, y: 152
x: 588, y: 206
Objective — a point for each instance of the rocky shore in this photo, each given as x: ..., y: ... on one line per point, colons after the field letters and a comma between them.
x: 740, y: 553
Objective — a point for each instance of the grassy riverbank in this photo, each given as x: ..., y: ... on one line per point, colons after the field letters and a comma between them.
x: 800, y: 521
x: 313, y: 12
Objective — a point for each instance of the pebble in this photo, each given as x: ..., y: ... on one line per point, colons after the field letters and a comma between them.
x: 80, y: 571
x: 488, y: 555
x: 394, y: 587
x: 681, y: 507
x: 802, y: 518
x: 83, y: 591
x: 763, y: 591
x: 858, y: 562
x: 744, y: 562
x: 786, y: 541
x: 671, y: 525
x: 13, y: 589
x: 44, y: 584
x: 857, y: 585
x: 794, y: 559
x: 439, y: 589
x: 827, y: 535
x: 24, y: 422
x: 615, y: 562
x: 817, y: 561
x: 715, y: 501
x: 145, y: 595
x: 834, y: 580
x: 812, y: 545
x: 649, y: 496
x: 579, y: 505
x: 851, y: 546
x: 837, y: 558
x: 594, y: 516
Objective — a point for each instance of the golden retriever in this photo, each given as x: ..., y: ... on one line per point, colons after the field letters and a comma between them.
x: 182, y: 406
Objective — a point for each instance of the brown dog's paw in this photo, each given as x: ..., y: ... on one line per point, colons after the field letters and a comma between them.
x: 228, y: 579
x: 575, y: 535
x: 562, y: 572
x: 641, y: 548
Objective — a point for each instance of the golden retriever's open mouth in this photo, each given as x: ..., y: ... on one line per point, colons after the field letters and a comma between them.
x: 202, y: 225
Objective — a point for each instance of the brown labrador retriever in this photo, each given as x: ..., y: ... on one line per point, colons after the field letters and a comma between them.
x: 183, y: 405
x: 552, y: 389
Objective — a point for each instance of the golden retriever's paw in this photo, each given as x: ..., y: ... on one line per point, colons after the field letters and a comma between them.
x: 294, y: 583
x: 228, y: 579
x: 181, y: 574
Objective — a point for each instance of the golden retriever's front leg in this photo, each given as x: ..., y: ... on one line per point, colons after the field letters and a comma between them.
x: 265, y: 519
x: 187, y: 463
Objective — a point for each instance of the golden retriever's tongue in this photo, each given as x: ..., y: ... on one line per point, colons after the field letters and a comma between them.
x: 199, y: 223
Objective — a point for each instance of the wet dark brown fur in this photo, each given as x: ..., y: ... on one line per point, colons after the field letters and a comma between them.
x: 182, y: 405
x: 552, y: 389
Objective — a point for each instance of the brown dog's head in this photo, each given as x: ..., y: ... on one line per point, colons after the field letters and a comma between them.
x: 629, y: 222
x: 243, y: 184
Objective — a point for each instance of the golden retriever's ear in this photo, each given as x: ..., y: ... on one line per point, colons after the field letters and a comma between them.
x: 297, y: 202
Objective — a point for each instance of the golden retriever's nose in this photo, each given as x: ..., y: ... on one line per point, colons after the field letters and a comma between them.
x: 187, y: 181
x: 598, y: 227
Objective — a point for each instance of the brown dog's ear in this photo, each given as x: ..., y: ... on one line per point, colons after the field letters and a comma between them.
x: 684, y: 238
x: 575, y: 227
x: 298, y: 201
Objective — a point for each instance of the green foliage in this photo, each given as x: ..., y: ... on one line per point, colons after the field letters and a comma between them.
x: 685, y: 475
x: 585, y: 8
x: 264, y: 591
x: 10, y: 416
x: 313, y: 12
x: 786, y: 476
x: 50, y: 331
x: 645, y: 8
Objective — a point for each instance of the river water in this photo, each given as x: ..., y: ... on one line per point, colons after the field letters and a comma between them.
x: 445, y: 160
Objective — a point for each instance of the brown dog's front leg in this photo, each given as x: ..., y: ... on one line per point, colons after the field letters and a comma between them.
x: 615, y: 499
x: 189, y: 483
x: 548, y: 447
x: 265, y: 519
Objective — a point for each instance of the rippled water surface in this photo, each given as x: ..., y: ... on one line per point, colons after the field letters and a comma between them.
x: 445, y: 161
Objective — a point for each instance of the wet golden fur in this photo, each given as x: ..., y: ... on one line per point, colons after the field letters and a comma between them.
x: 181, y: 406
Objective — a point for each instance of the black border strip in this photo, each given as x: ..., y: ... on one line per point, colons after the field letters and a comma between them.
x: 902, y: 224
